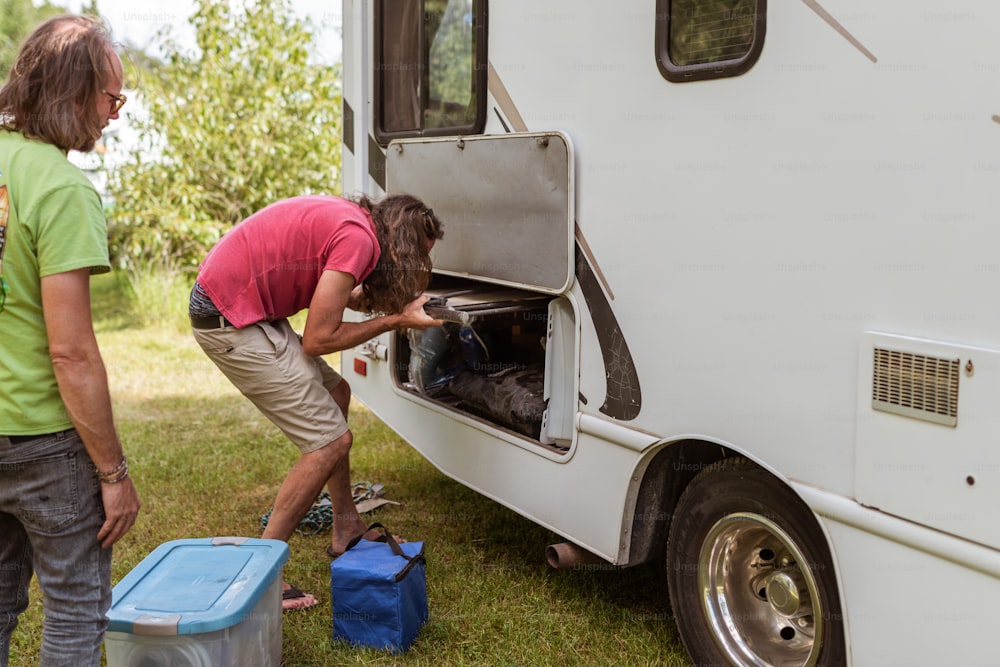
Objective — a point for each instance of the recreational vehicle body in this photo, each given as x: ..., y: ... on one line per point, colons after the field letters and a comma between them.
x: 720, y: 283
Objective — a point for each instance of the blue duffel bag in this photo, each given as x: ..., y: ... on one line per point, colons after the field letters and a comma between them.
x: 379, y: 592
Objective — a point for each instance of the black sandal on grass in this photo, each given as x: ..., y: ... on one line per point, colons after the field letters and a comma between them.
x: 297, y: 599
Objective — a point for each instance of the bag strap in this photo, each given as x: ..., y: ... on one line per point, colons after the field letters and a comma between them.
x: 386, y: 537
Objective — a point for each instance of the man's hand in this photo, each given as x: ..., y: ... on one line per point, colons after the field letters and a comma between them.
x: 415, y: 317
x: 121, y: 506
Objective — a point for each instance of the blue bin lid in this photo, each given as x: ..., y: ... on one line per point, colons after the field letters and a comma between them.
x: 191, y: 586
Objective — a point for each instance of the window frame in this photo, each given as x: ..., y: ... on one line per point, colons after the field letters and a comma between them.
x: 702, y: 71
x: 479, y: 74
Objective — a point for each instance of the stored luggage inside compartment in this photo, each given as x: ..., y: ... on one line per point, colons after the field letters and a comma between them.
x: 489, y: 360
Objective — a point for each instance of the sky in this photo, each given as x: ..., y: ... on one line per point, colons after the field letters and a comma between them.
x: 136, y: 22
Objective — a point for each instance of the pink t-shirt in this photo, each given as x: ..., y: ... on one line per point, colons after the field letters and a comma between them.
x: 267, y: 266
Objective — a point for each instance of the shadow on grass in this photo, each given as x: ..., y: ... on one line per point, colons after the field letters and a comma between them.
x: 503, y: 545
x: 212, y: 466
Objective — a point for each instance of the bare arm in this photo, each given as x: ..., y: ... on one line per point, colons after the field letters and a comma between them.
x: 326, y: 331
x: 83, y: 385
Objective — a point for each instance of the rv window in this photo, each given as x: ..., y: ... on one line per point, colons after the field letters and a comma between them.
x: 707, y: 39
x: 430, y: 68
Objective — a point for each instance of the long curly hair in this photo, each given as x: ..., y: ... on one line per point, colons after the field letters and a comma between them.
x: 55, y: 82
x: 405, y: 226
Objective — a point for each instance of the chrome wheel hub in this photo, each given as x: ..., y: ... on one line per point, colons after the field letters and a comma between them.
x: 759, y: 594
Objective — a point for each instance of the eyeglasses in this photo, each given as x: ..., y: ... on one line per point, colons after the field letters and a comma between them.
x: 117, y: 101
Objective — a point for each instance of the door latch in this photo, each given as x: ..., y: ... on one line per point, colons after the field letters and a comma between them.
x: 374, y: 350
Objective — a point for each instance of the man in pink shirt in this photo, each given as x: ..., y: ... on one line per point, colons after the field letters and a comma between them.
x: 325, y: 254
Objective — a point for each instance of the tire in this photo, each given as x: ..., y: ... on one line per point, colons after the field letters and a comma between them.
x: 750, y: 574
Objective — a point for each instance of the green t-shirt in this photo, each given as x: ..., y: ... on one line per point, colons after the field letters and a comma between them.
x: 55, y: 223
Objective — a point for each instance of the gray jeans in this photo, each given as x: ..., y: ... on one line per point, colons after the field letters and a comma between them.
x: 50, y: 513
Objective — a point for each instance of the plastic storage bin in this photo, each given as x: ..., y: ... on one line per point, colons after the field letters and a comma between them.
x: 208, y: 602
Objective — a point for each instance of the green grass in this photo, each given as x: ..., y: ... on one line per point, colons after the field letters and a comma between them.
x: 206, y: 463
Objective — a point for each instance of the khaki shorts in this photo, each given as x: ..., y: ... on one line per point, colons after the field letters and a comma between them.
x: 267, y: 364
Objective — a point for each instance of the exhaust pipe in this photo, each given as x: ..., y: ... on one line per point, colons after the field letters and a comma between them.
x: 567, y: 555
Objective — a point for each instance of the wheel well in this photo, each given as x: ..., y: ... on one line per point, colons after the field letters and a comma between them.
x: 663, y: 480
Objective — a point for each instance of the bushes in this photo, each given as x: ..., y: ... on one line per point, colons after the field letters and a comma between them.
x: 247, y: 119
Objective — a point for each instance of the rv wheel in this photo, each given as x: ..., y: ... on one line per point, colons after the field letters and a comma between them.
x: 750, y: 574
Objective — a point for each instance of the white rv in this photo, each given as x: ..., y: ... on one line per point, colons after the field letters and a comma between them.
x: 722, y: 289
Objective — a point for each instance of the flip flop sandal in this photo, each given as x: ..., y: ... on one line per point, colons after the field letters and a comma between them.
x: 368, y: 496
x: 366, y: 490
x: 293, y: 593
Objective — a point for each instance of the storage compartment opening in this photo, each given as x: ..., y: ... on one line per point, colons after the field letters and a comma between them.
x: 504, y: 357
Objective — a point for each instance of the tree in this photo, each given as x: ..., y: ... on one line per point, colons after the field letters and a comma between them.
x: 708, y: 31
x: 17, y: 19
x: 223, y: 132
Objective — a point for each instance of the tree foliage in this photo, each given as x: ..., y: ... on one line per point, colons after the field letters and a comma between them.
x: 244, y: 121
x: 709, y: 31
x: 451, y: 58
x: 17, y: 19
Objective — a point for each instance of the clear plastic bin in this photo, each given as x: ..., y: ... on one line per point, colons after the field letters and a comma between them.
x: 212, y: 602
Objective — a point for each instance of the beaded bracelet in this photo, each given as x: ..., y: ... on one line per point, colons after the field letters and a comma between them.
x: 117, y: 475
x: 120, y: 478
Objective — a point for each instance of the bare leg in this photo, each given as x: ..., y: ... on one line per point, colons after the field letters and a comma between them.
x: 301, y: 486
x: 297, y: 494
x: 347, y: 524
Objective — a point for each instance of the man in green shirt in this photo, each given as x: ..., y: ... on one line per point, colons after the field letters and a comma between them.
x: 65, y: 493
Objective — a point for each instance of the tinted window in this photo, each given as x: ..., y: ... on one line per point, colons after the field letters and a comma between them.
x: 430, y: 67
x: 702, y: 39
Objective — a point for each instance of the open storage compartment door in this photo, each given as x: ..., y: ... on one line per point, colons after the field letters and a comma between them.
x: 506, y: 203
x: 506, y: 357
